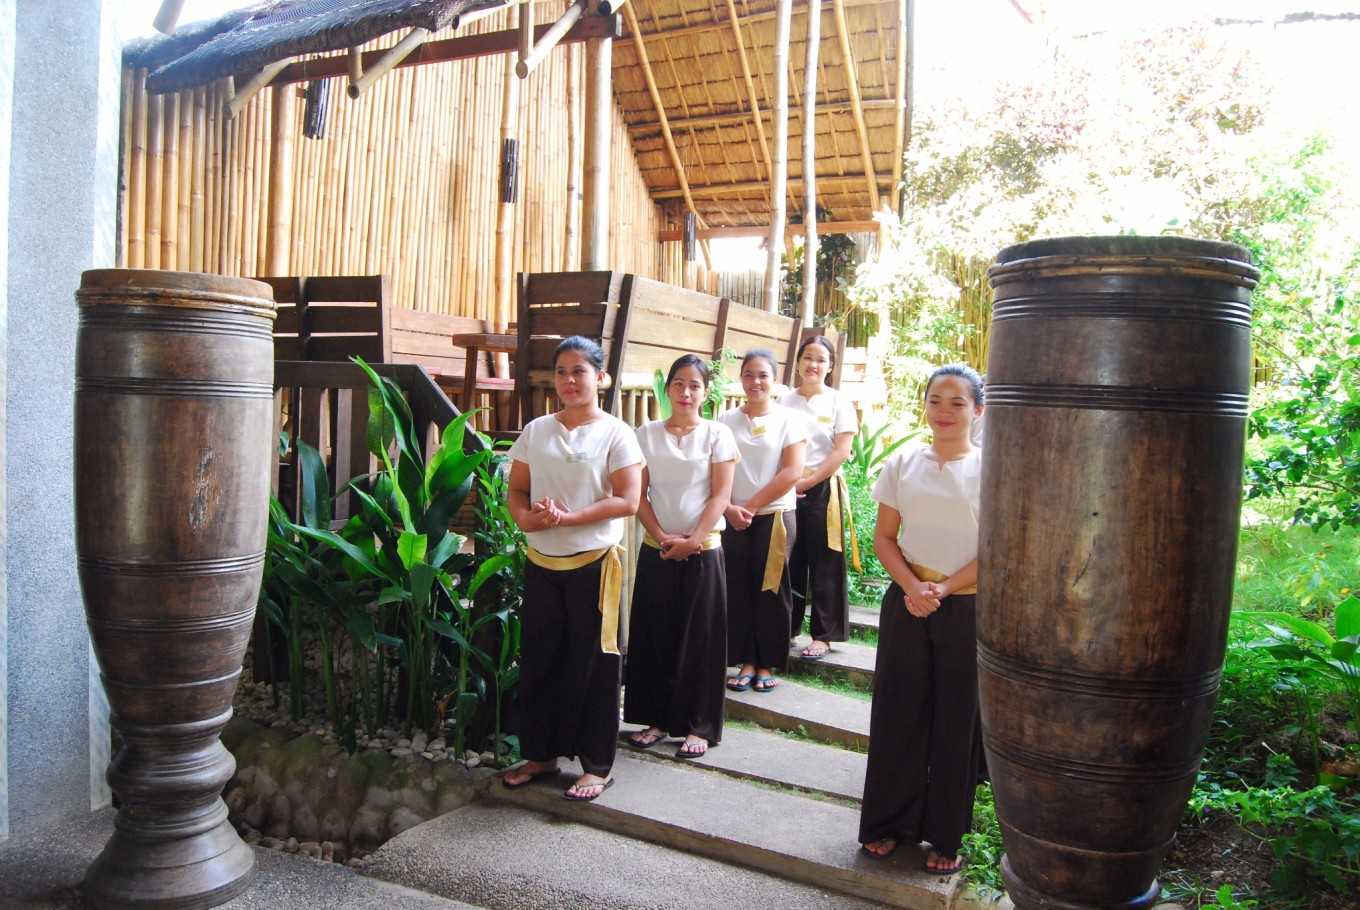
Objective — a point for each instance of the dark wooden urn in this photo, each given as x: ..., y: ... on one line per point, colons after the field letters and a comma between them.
x: 1112, y: 471
x: 174, y: 398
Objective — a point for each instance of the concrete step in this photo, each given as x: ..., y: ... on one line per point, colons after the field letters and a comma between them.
x: 847, y: 660
x: 504, y: 857
x: 783, y: 834
x: 772, y: 759
x: 864, y: 619
x: 842, y: 720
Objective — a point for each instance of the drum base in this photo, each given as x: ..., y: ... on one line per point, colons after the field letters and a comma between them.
x: 191, y: 873
x: 1026, y: 898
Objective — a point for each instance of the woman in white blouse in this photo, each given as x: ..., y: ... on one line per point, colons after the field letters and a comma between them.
x: 760, y: 528
x: 677, y: 642
x: 923, y: 728
x: 575, y: 476
x: 818, y: 563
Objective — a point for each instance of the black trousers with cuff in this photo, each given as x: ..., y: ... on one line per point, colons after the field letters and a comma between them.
x: 818, y: 572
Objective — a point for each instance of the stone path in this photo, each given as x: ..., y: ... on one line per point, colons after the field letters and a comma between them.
x: 712, y: 815
x: 863, y: 619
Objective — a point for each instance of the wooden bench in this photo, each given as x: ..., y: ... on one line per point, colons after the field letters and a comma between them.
x: 334, y: 318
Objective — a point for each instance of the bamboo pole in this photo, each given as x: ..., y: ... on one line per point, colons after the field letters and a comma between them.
x: 711, y: 121
x: 170, y: 177
x: 241, y: 98
x: 168, y: 16
x: 137, y: 177
x: 526, y: 29
x: 397, y: 53
x: 779, y: 174
x: 598, y: 133
x: 124, y: 164
x: 856, y: 106
x: 814, y: 40
x: 750, y: 83
x: 906, y: 39
x: 550, y: 40
x: 187, y: 159
x: 197, y: 201
x: 280, y: 184
x: 571, y: 253
x: 155, y: 180
x: 356, y: 64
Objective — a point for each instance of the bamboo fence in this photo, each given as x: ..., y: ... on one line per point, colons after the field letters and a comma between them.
x: 405, y: 182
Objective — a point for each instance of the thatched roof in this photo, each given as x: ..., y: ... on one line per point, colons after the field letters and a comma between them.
x: 693, y: 55
x: 282, y: 29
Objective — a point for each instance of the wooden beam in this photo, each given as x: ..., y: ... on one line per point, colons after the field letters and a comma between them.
x: 751, y: 96
x: 551, y: 38
x: 390, y: 58
x: 168, y: 17
x: 906, y: 46
x: 599, y: 126
x: 253, y: 85
x: 462, y: 48
x: 571, y: 253
x: 711, y: 190
x: 780, y: 172
x: 720, y: 24
x: 814, y: 41
x: 856, y: 107
x: 641, y: 49
x: 280, y: 183
x: 736, y: 118
x: 505, y: 208
x: 675, y: 235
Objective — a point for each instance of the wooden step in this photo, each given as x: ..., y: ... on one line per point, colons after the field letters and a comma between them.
x: 864, y: 619
x: 847, y: 660
x: 783, y: 834
x: 827, y: 716
x: 771, y: 758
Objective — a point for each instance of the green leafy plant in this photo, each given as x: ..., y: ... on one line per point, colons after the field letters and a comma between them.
x: 869, y: 449
x: 984, y: 848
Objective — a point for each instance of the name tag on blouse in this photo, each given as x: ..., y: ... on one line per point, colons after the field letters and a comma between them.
x: 579, y: 457
x: 826, y: 419
x: 757, y: 429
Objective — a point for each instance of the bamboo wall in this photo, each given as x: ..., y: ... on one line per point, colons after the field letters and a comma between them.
x: 405, y: 182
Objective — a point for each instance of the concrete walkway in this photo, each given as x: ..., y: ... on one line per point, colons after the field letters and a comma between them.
x: 43, y: 871
x: 863, y: 619
x: 508, y: 858
x: 828, y: 716
x: 783, y: 834
x: 773, y: 759
x: 847, y: 660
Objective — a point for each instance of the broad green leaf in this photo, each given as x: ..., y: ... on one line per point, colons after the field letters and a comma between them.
x: 1304, y: 628
x: 411, y: 548
x: 315, y: 487
x: 487, y: 569
x: 448, y: 545
x: 447, y: 629
x: 344, y: 546
x: 1348, y: 617
x: 422, y: 581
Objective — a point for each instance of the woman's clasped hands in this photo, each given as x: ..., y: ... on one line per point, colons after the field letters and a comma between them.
x: 678, y: 546
x: 923, y: 598
x: 546, y: 514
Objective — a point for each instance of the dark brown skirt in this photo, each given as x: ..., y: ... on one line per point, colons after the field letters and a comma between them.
x: 757, y: 621
x: 817, y: 572
x: 924, y: 730
x: 677, y: 644
x: 568, y: 688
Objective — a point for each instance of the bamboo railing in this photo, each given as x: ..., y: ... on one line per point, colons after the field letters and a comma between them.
x: 405, y: 182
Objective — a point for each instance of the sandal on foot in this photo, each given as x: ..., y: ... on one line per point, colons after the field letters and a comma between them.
x: 692, y: 750
x: 741, y: 682
x: 816, y: 655
x: 765, y: 683
x: 505, y: 782
x: 644, y: 740
x: 944, y: 864
x: 605, y: 785
x: 864, y: 848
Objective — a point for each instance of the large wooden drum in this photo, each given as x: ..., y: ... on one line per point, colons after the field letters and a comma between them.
x: 1112, y: 470
x: 174, y: 392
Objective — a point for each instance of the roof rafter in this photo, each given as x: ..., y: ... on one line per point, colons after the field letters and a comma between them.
x: 735, y: 118
x: 750, y: 85
x: 856, y: 107
x: 717, y: 25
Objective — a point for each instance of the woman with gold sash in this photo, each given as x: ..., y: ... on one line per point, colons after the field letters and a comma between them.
x: 760, y: 529
x: 818, y: 564
x: 923, y: 727
x: 574, y: 476
x: 677, y: 641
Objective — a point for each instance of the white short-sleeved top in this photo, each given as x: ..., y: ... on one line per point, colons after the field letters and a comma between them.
x: 573, y: 468
x: 828, y: 414
x: 761, y: 441
x: 679, y: 471
x: 938, y: 504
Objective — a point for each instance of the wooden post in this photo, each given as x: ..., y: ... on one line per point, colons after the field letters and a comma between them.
x: 556, y: 32
x: 814, y: 40
x: 779, y: 154
x: 242, y: 97
x: 281, y: 183
x: 599, y: 122
x: 906, y: 41
x: 168, y: 17
x: 394, y: 55
x: 505, y: 205
x: 571, y: 258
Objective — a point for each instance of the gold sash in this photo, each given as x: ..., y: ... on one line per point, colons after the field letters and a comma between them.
x: 927, y: 574
x: 712, y: 542
x: 838, y: 499
x: 774, y: 560
x: 611, y: 585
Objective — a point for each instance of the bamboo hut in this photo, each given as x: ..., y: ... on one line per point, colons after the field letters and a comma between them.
x: 409, y: 178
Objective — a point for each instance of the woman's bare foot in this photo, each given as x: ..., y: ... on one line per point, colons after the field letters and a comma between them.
x: 817, y: 650
x: 645, y: 739
x: 943, y: 863
x: 693, y: 747
x: 587, y: 787
x: 881, y: 848
x: 528, y: 771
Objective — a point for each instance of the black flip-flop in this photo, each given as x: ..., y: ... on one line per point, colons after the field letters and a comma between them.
x: 660, y: 737
x: 743, y: 682
x: 681, y: 753
x: 527, y: 781
x: 566, y: 794
x: 864, y: 848
x: 803, y: 654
